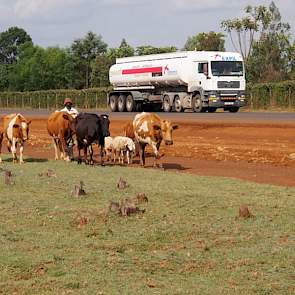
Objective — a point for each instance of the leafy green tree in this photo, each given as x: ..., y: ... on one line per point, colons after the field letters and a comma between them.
x: 10, y: 41
x: 147, y: 50
x: 100, y: 70
x: 272, y: 55
x: 4, y: 80
x: 84, y: 51
x: 124, y: 50
x: 211, y: 41
x: 40, y: 69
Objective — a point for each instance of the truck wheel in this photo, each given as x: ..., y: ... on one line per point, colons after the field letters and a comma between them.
x: 130, y: 103
x: 114, y: 103
x: 122, y: 103
x: 177, y: 104
x: 212, y: 110
x: 166, y: 104
x: 138, y: 106
x: 197, y: 103
x: 233, y: 109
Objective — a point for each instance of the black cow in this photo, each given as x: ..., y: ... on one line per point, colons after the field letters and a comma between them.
x: 91, y: 128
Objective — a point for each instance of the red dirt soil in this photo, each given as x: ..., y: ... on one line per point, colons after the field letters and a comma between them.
x: 261, y: 152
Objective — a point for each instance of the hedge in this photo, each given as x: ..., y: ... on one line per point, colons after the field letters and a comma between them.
x: 53, y: 99
x: 271, y: 95
x: 259, y: 96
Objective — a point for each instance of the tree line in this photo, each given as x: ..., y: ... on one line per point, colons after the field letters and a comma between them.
x: 264, y: 41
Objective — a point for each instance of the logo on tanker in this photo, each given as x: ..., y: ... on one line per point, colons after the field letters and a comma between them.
x: 217, y: 56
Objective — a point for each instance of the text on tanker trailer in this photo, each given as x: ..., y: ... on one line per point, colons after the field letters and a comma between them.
x: 197, y: 80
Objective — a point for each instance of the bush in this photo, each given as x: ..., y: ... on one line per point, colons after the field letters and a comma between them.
x: 269, y: 95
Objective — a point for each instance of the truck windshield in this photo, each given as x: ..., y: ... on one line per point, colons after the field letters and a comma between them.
x: 227, y: 68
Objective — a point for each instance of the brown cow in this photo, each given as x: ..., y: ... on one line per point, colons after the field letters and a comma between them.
x: 150, y: 129
x: 60, y: 126
x: 16, y: 130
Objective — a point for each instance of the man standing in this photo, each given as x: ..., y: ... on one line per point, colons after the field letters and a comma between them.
x: 68, y: 108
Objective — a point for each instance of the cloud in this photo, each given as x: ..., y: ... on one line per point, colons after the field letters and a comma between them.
x: 29, y: 8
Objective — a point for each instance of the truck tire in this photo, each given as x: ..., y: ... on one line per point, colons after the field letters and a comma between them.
x: 166, y: 104
x: 122, y: 103
x: 177, y: 104
x: 114, y: 103
x: 197, y: 103
x: 233, y: 109
x: 138, y: 106
x: 130, y: 103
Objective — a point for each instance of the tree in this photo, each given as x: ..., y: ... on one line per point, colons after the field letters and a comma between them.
x: 124, y: 50
x: 84, y: 52
x: 146, y: 50
x: 40, y: 69
x: 272, y: 55
x: 258, y: 19
x: 10, y: 42
x: 100, y: 70
x: 206, y: 41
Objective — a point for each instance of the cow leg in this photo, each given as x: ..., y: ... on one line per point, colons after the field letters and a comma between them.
x: 21, y: 150
x: 13, y: 150
x: 141, y: 153
x: 55, y: 145
x: 64, y: 148
x: 91, y: 155
x: 61, y: 150
x: 156, y: 154
x: 127, y: 156
x: 79, y: 153
x: 85, y: 148
x: 102, y: 155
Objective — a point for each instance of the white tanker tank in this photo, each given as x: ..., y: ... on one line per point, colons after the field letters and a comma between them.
x: 178, y: 81
x: 164, y: 69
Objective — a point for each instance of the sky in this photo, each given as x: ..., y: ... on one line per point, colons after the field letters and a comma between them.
x: 140, y: 22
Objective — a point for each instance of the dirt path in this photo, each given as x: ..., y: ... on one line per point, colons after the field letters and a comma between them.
x: 263, y: 152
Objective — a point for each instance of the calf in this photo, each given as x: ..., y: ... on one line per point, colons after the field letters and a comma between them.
x: 60, y: 126
x: 16, y: 130
x: 91, y: 128
x: 123, y: 147
x: 150, y: 129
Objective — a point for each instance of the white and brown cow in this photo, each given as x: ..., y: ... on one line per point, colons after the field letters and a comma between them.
x: 150, y: 129
x: 16, y: 130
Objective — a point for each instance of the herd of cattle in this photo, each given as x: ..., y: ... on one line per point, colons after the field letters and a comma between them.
x: 88, y: 129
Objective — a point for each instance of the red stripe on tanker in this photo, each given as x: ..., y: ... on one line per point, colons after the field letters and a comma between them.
x: 142, y: 70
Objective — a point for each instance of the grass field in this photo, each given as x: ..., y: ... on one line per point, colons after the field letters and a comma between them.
x: 189, y: 240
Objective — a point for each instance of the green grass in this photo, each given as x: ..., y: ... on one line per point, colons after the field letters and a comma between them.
x: 188, y: 241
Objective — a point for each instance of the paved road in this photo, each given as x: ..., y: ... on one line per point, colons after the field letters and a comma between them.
x: 242, y: 117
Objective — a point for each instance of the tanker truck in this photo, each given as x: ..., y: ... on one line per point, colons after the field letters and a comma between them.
x: 189, y: 80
